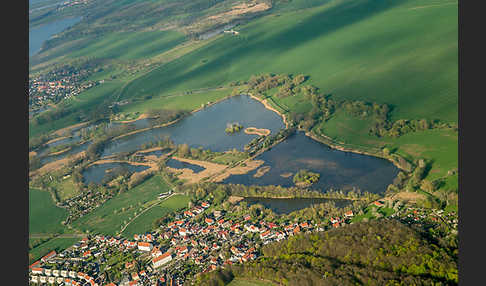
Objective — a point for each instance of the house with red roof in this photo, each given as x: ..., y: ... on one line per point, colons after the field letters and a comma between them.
x: 209, y: 221
x: 161, y: 260
x: 48, y: 256
x: 144, y: 246
x: 348, y: 214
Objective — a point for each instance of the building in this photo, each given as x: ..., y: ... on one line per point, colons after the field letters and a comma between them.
x: 145, y: 246
x: 48, y: 256
x: 161, y: 260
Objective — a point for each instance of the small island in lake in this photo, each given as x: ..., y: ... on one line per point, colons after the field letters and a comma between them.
x: 233, y: 127
x: 305, y: 178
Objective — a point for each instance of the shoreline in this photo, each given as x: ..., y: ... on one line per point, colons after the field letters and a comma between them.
x: 316, y: 138
x: 269, y: 107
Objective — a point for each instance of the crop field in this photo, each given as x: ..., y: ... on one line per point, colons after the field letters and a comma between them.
x: 130, y: 45
x: 110, y: 217
x: 44, y: 216
x: 144, y: 222
x: 367, y: 50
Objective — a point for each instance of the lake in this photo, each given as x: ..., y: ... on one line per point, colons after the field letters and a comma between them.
x: 96, y: 173
x: 285, y: 206
x: 39, y: 35
x: 337, y: 169
x: 206, y: 128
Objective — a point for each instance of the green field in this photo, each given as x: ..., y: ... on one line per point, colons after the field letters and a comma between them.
x: 65, y: 188
x: 440, y: 147
x: 109, y: 218
x: 187, y: 102
x: 130, y: 45
x: 44, y: 216
x: 144, y: 222
x: 58, y: 244
x: 368, y: 50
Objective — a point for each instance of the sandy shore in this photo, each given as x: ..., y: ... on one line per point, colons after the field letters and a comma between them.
x: 257, y: 131
x: 269, y: 107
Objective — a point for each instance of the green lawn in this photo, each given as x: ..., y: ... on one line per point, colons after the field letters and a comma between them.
x: 44, y: 216
x: 144, y: 222
x: 110, y: 217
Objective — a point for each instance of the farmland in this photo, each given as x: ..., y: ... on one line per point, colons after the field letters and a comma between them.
x: 44, y: 215
x: 113, y: 215
x: 144, y: 222
x: 341, y: 45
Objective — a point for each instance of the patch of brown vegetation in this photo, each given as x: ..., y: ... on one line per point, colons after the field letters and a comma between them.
x: 141, y: 116
x: 62, y: 131
x: 241, y: 9
x: 234, y: 199
x: 60, y: 152
x: 190, y: 177
x: 238, y: 170
x: 257, y: 131
x: 408, y: 196
x: 56, y: 139
x: 261, y: 171
x: 55, y: 165
x: 32, y: 153
x: 286, y: 175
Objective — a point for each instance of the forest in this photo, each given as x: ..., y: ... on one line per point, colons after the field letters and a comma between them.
x: 366, y: 253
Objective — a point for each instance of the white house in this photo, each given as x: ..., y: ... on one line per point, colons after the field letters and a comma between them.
x: 145, y: 246
x: 162, y: 259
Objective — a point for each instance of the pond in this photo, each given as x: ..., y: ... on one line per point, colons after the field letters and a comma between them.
x: 206, y: 128
x: 74, y: 150
x: 285, y: 206
x: 173, y: 163
x: 97, y: 173
x: 38, y: 35
x: 337, y: 169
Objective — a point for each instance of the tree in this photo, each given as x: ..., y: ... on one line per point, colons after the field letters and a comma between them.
x: 183, y: 150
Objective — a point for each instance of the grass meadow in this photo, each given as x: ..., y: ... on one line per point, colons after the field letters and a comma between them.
x: 144, y: 222
x: 111, y: 217
x: 44, y: 216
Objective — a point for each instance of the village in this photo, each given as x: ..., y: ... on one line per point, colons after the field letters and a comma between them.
x: 51, y: 88
x: 199, y: 239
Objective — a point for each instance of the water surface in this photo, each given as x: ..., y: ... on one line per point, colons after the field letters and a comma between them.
x: 96, y: 173
x: 38, y: 35
x: 206, y: 128
x: 337, y: 169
